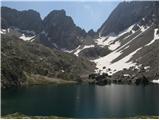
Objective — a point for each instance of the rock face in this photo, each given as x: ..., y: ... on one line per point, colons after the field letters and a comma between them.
x: 94, y: 52
x: 128, y: 13
x: 57, y: 30
x: 62, y: 31
x: 92, y: 33
x: 25, y: 20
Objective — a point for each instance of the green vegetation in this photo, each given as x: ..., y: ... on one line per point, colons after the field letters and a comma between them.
x: 22, y: 60
x: 44, y: 80
x: 22, y: 116
x: 145, y: 117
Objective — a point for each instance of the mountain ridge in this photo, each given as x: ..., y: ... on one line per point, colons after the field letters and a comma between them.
x: 134, y: 12
x: 130, y: 50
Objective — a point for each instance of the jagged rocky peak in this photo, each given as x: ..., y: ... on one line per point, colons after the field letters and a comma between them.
x: 25, y: 20
x: 56, y: 30
x: 58, y: 13
x: 92, y: 33
x: 58, y: 18
x: 62, y: 30
x: 129, y: 13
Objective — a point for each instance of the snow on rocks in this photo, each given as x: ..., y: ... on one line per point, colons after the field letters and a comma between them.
x: 67, y: 51
x: 62, y: 71
x: 116, y: 66
x: 143, y: 28
x: 100, y: 41
x: 155, y: 81
x: 106, y: 61
x: 108, y: 40
x: 133, y: 39
x: 114, y: 46
x: 146, y: 67
x: 26, y: 38
x: 126, y: 75
x: 143, y: 19
x: 54, y: 44
x: 79, y: 49
x: 156, y: 37
x: 3, y: 31
x: 8, y: 30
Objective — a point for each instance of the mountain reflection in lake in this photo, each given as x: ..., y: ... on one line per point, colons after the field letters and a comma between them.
x: 83, y: 101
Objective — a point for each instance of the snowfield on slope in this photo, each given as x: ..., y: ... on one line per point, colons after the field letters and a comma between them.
x: 117, y: 66
x: 108, y: 40
x: 106, y: 61
x: 114, y: 45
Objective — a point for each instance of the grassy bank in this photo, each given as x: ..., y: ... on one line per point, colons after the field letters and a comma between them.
x: 22, y: 116
x: 42, y: 80
x: 145, y: 117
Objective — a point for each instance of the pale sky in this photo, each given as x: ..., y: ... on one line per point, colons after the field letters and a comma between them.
x: 87, y: 15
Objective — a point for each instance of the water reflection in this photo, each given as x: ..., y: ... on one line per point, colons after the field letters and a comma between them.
x: 83, y: 101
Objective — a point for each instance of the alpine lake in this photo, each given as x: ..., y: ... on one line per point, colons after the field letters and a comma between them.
x: 82, y: 100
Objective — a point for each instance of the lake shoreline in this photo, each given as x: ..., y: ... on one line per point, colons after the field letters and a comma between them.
x: 23, y: 116
x: 77, y: 83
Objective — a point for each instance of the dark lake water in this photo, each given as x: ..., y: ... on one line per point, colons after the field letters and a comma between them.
x: 83, y: 101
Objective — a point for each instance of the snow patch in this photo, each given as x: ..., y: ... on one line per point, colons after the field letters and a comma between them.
x: 108, y: 40
x: 155, y: 81
x: 3, y: 31
x: 119, y: 65
x: 143, y: 19
x: 133, y: 38
x: 67, y: 51
x: 26, y: 38
x: 54, y: 44
x: 146, y: 67
x: 62, y: 71
x: 143, y: 28
x: 126, y: 75
x: 8, y: 30
x: 126, y: 47
x: 78, y: 50
x: 156, y: 37
x: 100, y: 41
x: 114, y: 46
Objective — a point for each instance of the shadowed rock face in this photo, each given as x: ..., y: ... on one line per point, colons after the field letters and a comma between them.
x: 128, y: 13
x: 62, y: 31
x: 25, y: 20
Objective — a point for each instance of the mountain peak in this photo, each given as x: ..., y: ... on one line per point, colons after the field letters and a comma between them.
x: 127, y: 14
x: 62, y: 30
x: 25, y: 20
x: 61, y: 12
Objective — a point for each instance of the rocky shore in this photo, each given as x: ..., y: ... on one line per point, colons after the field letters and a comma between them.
x: 127, y: 76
